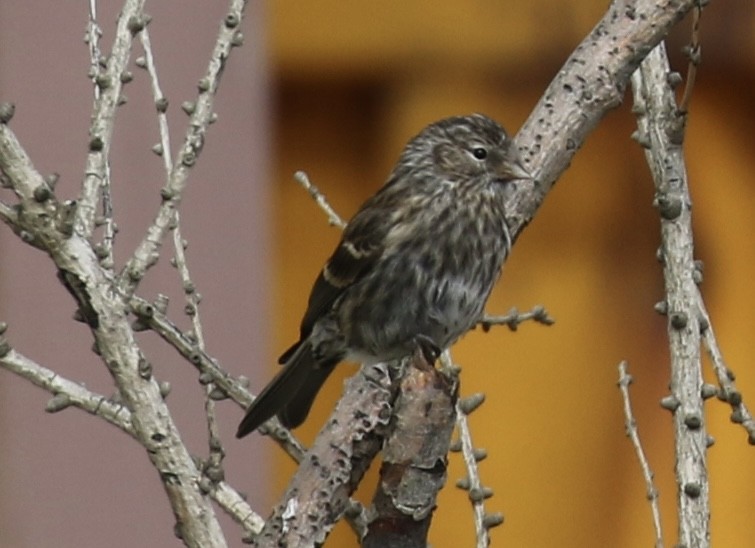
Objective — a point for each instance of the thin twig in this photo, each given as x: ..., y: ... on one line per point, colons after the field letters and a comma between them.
x: 210, y: 371
x: 157, y: 94
x: 693, y: 53
x: 202, y: 116
x: 214, y: 467
x: 180, y: 262
x: 93, y: 35
x: 472, y: 484
x: 67, y: 393
x: 513, y: 318
x: 625, y: 379
x: 725, y: 376
x: 333, y: 218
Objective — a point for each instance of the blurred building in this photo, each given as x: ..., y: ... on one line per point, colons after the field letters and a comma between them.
x: 354, y: 81
x: 336, y: 89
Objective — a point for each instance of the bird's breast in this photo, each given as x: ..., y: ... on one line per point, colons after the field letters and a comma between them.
x: 432, y: 282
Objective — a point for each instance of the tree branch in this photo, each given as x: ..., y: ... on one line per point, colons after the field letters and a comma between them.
x: 318, y: 494
x: 65, y: 392
x: 728, y: 389
x: 472, y: 483
x: 514, y: 318
x: 109, y: 83
x: 415, y: 450
x: 661, y: 128
x: 625, y: 379
x: 235, y: 506
x: 106, y: 312
x: 333, y: 218
x: 591, y: 82
x: 201, y: 117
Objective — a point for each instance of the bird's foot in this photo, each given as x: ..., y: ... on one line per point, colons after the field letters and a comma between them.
x: 428, y: 350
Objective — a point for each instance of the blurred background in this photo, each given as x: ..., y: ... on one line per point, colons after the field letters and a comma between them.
x: 336, y: 89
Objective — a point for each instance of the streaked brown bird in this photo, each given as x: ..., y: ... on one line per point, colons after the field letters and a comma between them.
x: 414, y: 266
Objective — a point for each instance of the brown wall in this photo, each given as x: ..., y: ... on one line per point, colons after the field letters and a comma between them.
x: 356, y: 80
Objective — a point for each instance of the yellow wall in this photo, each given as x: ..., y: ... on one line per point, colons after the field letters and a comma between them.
x: 355, y: 80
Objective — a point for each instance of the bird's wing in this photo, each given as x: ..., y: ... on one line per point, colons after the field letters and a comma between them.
x: 361, y: 245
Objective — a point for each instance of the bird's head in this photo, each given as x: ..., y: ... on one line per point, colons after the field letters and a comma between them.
x: 466, y: 148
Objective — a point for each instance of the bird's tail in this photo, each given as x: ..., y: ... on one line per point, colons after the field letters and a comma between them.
x: 290, y: 394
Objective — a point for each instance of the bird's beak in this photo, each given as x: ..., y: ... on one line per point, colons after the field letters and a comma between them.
x: 512, y: 167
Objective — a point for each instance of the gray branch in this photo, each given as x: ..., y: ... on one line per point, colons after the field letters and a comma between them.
x: 661, y: 130
x: 591, y: 82
x: 65, y: 392
x: 201, y: 116
x: 109, y: 82
x: 728, y: 391
x: 630, y: 423
x: 318, y: 494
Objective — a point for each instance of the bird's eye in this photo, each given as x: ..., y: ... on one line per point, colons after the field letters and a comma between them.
x: 479, y: 153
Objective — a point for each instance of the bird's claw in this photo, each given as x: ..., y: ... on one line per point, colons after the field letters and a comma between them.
x: 428, y: 350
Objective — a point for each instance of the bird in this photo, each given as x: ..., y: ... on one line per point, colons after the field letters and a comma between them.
x: 414, y: 266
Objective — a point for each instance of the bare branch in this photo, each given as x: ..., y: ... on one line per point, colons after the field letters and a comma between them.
x: 513, y: 318
x: 202, y: 116
x: 96, y: 61
x: 193, y: 298
x: 335, y: 463
x: 333, y: 218
x: 110, y: 83
x: 18, y: 170
x: 693, y: 53
x: 477, y: 492
x: 162, y: 118
x: 235, y: 506
x: 625, y: 379
x: 66, y: 392
x: 661, y: 127
x: 414, y: 449
x: 92, y: 39
x: 210, y: 371
x: 725, y: 376
x: 591, y: 82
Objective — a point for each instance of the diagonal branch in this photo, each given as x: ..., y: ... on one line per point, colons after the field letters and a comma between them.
x: 336, y: 462
x: 728, y: 389
x: 209, y: 370
x: 65, y: 392
x: 589, y: 84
